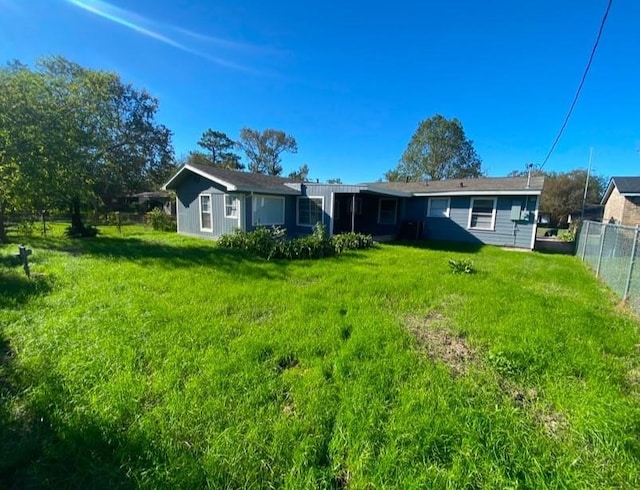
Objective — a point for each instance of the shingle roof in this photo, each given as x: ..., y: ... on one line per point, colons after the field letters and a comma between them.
x: 467, y: 186
x: 627, y: 185
x: 240, y: 181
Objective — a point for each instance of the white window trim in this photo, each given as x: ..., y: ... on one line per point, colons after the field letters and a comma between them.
x: 493, y: 214
x: 210, y: 212
x: 298, y: 210
x: 439, y: 198
x: 395, y: 214
x: 253, y: 209
x: 235, y: 206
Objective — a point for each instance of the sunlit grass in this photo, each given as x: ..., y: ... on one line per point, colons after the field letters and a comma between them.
x: 154, y: 360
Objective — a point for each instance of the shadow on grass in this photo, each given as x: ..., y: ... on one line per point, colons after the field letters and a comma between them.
x: 439, y: 245
x: 40, y: 449
x: 18, y: 289
x: 147, y: 251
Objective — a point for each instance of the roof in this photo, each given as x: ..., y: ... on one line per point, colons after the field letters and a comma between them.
x: 627, y: 186
x: 464, y: 187
x: 235, y: 180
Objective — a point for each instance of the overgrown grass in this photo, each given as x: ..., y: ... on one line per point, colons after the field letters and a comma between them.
x: 146, y: 359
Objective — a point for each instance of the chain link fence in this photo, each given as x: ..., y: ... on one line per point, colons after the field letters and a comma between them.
x: 611, y: 251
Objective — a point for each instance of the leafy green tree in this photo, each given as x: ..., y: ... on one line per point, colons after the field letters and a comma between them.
x: 79, y: 136
x: 302, y: 174
x: 220, y: 148
x: 264, y: 149
x: 334, y: 181
x: 563, y: 193
x: 439, y: 149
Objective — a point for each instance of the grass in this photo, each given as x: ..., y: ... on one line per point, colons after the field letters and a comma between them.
x: 157, y: 361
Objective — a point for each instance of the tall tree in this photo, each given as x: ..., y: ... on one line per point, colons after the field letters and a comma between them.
x: 264, y: 149
x: 78, y: 135
x: 439, y: 149
x: 302, y: 174
x: 220, y: 148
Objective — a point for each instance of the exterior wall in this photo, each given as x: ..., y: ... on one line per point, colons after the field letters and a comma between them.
x: 614, y: 207
x: 188, y: 208
x: 624, y: 210
x: 455, y: 228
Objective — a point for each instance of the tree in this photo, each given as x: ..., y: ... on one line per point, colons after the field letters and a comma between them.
x: 439, y: 149
x: 563, y: 193
x: 302, y: 174
x: 264, y: 149
x: 334, y: 181
x: 220, y: 146
x: 79, y: 135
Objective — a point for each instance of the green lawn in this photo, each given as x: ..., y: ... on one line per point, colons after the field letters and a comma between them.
x: 158, y: 361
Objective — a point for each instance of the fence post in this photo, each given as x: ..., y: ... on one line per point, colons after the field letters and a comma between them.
x: 584, y: 237
x: 631, y: 261
x: 603, y: 232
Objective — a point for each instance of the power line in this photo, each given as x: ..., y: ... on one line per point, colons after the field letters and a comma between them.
x: 584, y: 77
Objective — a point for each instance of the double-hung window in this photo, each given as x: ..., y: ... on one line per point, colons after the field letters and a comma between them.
x: 231, y: 206
x: 206, y: 220
x: 482, y: 215
x: 309, y: 210
x: 438, y: 207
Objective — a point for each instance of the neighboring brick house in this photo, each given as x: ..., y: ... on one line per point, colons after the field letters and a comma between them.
x: 622, y: 201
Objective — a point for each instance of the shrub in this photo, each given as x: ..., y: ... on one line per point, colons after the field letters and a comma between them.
x: 568, y: 235
x: 25, y: 227
x: 160, y: 221
x: 272, y: 242
x: 461, y: 266
x: 81, y: 232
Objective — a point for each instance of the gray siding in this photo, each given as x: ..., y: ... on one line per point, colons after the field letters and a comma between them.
x: 188, y: 208
x: 455, y: 228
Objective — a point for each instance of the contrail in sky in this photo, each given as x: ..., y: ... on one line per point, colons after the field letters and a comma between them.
x: 144, y: 26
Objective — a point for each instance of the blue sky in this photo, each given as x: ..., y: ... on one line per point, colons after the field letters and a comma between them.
x: 351, y: 80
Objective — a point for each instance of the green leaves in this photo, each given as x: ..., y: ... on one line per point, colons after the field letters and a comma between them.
x: 439, y: 149
x: 71, y: 135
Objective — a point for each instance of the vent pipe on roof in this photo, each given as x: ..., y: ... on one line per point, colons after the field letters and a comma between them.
x: 529, y: 167
x: 461, y: 184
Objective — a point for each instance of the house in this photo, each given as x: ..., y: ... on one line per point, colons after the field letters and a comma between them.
x: 500, y: 211
x: 622, y: 201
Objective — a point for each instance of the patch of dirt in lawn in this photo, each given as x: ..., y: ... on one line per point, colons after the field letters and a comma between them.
x: 434, y: 336
x: 554, y: 423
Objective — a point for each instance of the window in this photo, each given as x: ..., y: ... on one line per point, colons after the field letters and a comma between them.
x: 268, y: 210
x: 206, y: 221
x: 483, y: 213
x: 231, y: 206
x: 310, y: 210
x: 387, y: 210
x: 438, y: 207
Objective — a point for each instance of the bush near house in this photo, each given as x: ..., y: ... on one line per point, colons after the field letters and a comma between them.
x: 272, y: 243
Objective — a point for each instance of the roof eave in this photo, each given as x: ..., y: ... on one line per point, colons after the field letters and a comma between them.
x: 520, y: 192
x: 227, y: 185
